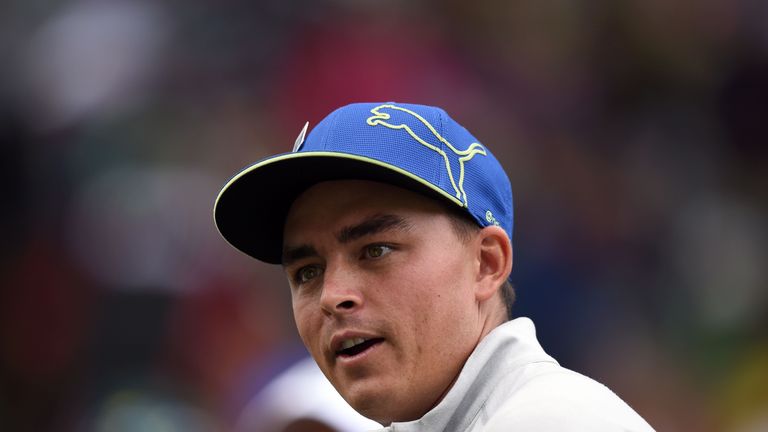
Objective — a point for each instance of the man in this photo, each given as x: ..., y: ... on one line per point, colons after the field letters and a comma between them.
x: 393, y: 225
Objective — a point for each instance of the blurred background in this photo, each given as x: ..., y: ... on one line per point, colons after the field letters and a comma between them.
x: 634, y: 133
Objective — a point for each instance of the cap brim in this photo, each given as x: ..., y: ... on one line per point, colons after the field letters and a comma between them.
x: 251, y: 208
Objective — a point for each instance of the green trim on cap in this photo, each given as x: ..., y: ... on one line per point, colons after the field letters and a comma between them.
x: 339, y: 155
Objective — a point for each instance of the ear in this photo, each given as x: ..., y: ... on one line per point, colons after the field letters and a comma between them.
x: 494, y: 255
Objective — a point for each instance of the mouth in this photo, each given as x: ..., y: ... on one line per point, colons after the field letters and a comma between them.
x: 354, y: 347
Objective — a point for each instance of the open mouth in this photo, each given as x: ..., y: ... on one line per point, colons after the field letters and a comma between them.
x: 353, y: 347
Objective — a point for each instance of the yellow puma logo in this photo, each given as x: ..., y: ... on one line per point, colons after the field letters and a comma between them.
x: 381, y: 118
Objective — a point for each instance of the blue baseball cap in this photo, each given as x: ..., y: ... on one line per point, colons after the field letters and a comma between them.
x: 415, y: 147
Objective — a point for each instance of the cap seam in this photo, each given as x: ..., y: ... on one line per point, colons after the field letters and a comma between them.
x: 442, y: 144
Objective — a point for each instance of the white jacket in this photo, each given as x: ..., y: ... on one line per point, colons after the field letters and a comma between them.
x: 509, y: 384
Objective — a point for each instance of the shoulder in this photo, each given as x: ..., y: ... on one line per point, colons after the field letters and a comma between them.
x: 565, y: 401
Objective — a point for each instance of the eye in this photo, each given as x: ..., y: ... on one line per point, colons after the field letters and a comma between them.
x: 306, y: 274
x: 376, y: 251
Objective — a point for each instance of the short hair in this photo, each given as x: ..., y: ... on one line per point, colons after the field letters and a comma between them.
x: 465, y: 227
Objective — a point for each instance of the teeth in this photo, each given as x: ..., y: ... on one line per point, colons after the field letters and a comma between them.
x: 349, y: 343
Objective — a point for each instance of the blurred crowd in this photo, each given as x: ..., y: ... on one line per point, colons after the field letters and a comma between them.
x: 634, y: 133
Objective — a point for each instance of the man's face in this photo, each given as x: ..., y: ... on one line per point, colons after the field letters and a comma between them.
x: 383, y: 294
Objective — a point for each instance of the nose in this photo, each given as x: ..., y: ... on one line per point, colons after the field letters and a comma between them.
x: 341, y: 292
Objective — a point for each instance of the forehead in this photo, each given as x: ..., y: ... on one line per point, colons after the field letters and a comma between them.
x: 340, y: 202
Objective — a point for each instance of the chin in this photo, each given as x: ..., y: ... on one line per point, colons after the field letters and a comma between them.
x: 379, y: 409
x: 370, y: 403
x: 363, y: 402
x: 381, y: 397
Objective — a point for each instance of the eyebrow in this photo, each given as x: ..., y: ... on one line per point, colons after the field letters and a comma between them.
x: 371, y: 225
x: 291, y: 254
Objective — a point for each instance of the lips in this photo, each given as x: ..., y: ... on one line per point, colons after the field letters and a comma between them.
x: 358, y: 346
x: 349, y: 346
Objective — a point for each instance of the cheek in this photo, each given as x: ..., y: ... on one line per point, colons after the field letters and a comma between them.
x: 304, y: 322
x: 445, y: 269
x: 452, y: 301
x: 439, y: 282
